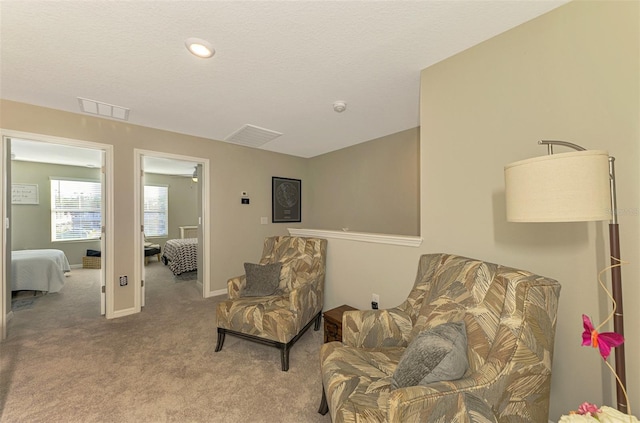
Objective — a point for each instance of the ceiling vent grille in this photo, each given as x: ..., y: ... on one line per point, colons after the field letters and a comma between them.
x: 99, y: 108
x: 252, y: 136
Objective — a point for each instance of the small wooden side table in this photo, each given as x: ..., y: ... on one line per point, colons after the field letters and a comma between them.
x: 333, y: 323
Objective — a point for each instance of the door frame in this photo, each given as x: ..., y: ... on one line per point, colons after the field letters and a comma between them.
x: 204, y: 220
x: 107, y: 209
x: 4, y: 291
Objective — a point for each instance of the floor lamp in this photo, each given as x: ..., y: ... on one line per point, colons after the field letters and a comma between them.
x: 577, y: 186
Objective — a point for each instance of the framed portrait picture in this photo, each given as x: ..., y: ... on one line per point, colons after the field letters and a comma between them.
x: 286, y: 196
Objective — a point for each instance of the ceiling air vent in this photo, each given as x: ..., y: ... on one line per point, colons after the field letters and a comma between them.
x: 252, y: 136
x: 99, y: 108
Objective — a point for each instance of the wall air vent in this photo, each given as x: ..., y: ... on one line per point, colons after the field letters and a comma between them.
x: 252, y: 136
x: 99, y: 108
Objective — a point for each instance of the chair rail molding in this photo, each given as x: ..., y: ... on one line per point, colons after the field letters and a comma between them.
x: 403, y: 240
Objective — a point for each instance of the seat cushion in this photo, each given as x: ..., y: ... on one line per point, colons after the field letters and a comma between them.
x: 357, y: 381
x: 265, y: 317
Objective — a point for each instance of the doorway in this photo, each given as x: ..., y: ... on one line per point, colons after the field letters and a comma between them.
x: 44, y: 212
x: 160, y: 173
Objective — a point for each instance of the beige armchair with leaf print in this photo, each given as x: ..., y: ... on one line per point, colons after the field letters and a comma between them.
x: 280, y: 315
x: 473, y: 342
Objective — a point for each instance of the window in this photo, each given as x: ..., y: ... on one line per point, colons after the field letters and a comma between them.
x: 75, y: 210
x: 156, y: 210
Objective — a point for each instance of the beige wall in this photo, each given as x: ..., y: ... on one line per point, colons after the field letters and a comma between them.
x: 368, y: 187
x: 571, y: 75
x: 236, y: 232
x: 183, y: 202
x: 31, y: 224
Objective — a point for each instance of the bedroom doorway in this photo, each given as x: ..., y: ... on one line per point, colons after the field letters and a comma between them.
x: 38, y: 169
x: 172, y: 199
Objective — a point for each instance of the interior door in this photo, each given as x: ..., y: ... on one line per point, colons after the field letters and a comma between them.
x: 103, y: 237
x: 142, y: 240
x: 199, y: 256
x: 5, y: 241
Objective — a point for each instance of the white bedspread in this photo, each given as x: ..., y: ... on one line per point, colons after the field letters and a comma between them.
x: 38, y: 270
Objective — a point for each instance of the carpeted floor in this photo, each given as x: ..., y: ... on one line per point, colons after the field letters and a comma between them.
x: 62, y: 362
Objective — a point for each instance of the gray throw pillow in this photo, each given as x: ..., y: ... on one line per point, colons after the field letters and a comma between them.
x: 262, y: 279
x: 439, y: 353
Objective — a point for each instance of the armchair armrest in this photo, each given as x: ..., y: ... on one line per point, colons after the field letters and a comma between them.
x: 459, y: 400
x: 235, y: 286
x: 376, y: 328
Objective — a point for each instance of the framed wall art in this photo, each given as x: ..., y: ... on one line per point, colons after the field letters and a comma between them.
x: 25, y: 194
x: 285, y: 201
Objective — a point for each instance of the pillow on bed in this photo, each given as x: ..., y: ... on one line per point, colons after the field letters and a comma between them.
x: 433, y: 355
x: 262, y: 279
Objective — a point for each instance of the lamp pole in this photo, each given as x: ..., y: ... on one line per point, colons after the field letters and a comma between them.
x: 616, y: 291
x: 616, y: 275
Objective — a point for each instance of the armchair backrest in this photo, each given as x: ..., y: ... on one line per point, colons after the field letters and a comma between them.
x: 302, y: 259
x: 497, y: 303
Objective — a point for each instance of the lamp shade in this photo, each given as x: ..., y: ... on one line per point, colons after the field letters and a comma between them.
x: 565, y: 187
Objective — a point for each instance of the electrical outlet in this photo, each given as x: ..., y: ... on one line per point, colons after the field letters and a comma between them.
x: 124, y: 281
x: 375, y: 300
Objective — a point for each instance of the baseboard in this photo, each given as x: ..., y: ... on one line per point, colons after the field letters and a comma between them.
x: 216, y: 293
x: 122, y: 313
x: 76, y: 266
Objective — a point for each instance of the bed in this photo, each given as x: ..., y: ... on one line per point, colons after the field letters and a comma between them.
x: 181, y: 255
x: 38, y: 270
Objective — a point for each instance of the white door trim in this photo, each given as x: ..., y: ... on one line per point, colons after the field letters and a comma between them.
x: 107, y: 260
x: 4, y: 316
x: 206, y: 229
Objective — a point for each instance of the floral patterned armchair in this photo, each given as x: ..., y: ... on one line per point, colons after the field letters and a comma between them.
x: 510, y: 318
x: 279, y: 319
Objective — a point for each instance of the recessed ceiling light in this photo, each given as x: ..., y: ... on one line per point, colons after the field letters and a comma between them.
x: 199, y: 47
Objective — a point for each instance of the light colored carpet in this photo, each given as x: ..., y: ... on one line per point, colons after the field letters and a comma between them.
x: 62, y: 362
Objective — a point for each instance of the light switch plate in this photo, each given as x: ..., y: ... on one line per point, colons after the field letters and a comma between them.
x: 264, y: 220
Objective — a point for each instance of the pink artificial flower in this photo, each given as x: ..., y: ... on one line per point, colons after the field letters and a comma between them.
x: 604, y: 341
x: 588, y: 409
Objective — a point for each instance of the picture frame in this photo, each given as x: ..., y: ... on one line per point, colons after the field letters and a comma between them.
x: 25, y: 194
x: 286, y: 196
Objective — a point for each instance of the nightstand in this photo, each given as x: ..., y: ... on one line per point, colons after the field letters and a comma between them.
x: 333, y: 323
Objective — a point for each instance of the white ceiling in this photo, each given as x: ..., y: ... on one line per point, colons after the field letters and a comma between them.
x: 278, y: 65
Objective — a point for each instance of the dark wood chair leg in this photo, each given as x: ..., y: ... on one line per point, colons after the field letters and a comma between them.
x: 284, y: 357
x: 324, y: 407
x: 221, y: 334
x: 316, y: 327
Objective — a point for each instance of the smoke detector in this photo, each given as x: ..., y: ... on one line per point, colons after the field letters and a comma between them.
x: 339, y: 106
